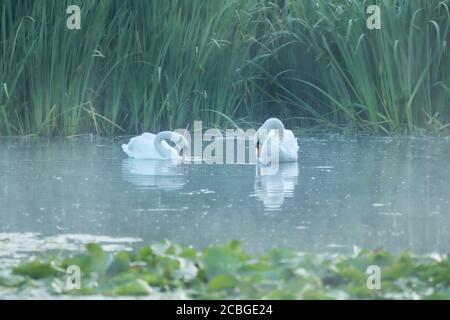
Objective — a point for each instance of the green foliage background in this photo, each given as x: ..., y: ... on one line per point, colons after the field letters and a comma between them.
x: 148, y: 65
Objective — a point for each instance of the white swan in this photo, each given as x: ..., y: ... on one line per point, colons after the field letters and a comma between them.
x: 275, y: 143
x: 154, y: 147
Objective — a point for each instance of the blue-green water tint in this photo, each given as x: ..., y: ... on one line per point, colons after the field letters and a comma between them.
x: 369, y: 192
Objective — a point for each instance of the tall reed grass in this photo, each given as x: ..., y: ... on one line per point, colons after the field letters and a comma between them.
x: 325, y: 62
x: 148, y: 65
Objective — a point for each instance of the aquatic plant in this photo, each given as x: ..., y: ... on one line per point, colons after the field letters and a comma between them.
x: 327, y: 63
x: 138, y: 65
x: 133, y: 65
x: 167, y: 270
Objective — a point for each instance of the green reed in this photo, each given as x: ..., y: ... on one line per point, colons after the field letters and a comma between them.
x: 329, y: 64
x: 149, y: 65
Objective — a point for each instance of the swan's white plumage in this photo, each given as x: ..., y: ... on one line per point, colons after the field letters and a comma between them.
x: 148, y: 146
x: 288, y: 146
x: 143, y: 147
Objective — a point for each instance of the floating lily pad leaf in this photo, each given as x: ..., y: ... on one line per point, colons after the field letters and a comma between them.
x: 95, y: 260
x: 379, y: 257
x: 438, y: 273
x: 349, y: 273
x: 144, y: 252
x: 224, y: 272
x: 316, y: 295
x: 189, y: 253
x: 35, y: 269
x: 219, y: 260
x: 137, y: 287
x: 222, y: 281
x: 97, y: 256
x: 443, y: 294
x: 360, y: 290
x: 119, y: 264
x: 11, y: 280
x: 398, y: 269
x: 280, y: 294
x: 437, y: 296
x: 154, y: 279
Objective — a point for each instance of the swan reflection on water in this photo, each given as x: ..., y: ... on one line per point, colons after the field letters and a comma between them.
x: 153, y: 174
x: 272, y: 188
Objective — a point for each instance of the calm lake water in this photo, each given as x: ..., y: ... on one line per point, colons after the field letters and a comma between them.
x: 369, y: 192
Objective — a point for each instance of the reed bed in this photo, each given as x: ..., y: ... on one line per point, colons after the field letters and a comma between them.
x: 149, y: 65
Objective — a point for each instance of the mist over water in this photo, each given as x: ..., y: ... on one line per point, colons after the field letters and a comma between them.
x: 365, y: 191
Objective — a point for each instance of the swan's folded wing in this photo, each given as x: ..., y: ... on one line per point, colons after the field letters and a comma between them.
x: 140, y: 147
x: 290, y: 141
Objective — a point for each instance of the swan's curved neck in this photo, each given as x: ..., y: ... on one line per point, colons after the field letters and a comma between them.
x: 269, y: 138
x: 164, y: 149
x: 274, y: 124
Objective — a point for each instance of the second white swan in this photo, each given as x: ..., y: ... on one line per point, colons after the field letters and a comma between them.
x: 154, y: 147
x: 275, y: 143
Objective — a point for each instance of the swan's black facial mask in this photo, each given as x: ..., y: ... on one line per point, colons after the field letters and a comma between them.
x: 258, y: 148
